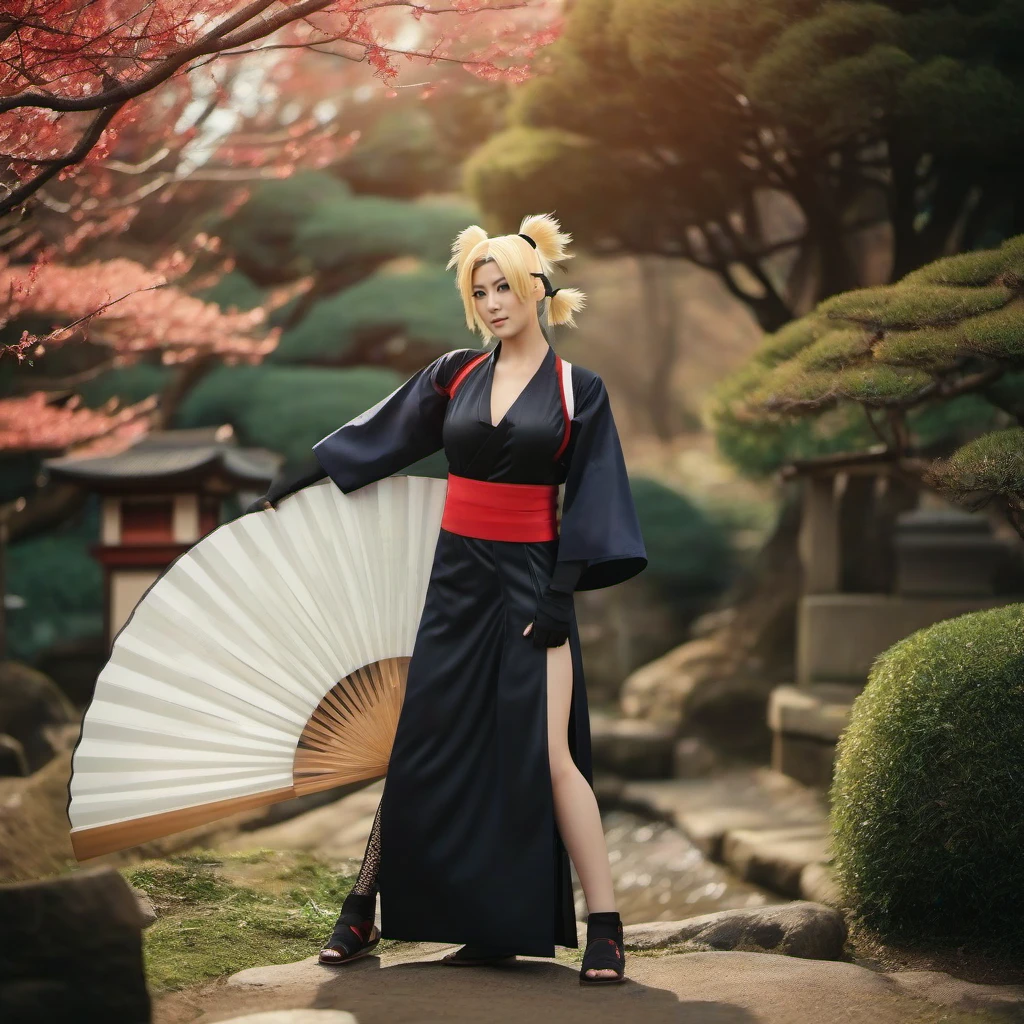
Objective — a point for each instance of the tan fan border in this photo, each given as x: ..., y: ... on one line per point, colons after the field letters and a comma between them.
x: 348, y: 738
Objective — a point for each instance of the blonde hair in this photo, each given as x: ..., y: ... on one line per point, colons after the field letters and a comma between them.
x: 517, y: 260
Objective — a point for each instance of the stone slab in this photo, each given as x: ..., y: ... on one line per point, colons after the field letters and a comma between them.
x: 775, y: 857
x: 706, y: 809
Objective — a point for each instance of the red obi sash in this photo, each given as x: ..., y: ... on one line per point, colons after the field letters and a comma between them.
x: 493, y: 511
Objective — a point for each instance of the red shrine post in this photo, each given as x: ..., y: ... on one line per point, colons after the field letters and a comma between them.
x: 159, y: 497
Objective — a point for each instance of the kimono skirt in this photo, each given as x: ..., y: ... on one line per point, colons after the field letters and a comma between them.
x: 470, y: 850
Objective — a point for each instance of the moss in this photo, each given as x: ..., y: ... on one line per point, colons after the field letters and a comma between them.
x: 218, y: 914
x: 966, y: 269
x: 932, y: 348
x: 993, y: 462
x: 901, y: 306
x: 789, y: 340
x: 789, y: 387
x: 928, y: 794
x: 999, y: 333
x: 836, y: 349
x: 880, y: 385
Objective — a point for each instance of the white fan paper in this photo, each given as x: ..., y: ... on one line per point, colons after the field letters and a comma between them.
x: 267, y: 661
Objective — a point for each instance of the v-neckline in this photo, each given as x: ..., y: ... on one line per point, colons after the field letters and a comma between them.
x: 490, y: 385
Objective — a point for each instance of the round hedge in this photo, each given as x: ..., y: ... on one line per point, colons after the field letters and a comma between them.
x: 928, y: 792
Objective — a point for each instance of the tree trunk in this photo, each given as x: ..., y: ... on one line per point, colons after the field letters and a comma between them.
x: 45, y: 509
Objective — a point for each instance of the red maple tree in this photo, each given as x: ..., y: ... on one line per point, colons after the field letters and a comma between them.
x: 109, y: 105
x: 73, y: 72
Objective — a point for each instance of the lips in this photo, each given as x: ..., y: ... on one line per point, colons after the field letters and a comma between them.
x: 500, y: 320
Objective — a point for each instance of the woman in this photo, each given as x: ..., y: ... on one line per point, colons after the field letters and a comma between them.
x: 488, y: 790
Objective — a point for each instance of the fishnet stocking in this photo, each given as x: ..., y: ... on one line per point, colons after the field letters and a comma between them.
x: 366, y: 883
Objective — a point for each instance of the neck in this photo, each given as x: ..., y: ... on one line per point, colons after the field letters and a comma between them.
x: 526, y: 347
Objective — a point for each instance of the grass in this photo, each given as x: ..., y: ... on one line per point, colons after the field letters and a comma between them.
x: 222, y: 913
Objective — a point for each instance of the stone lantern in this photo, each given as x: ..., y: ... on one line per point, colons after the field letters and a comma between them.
x: 159, y: 497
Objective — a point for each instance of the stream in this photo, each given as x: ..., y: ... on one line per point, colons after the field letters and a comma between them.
x: 660, y: 875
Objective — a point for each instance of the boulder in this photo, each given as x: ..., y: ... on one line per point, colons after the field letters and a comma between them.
x: 34, y: 831
x: 147, y: 912
x: 74, y: 665
x: 704, y: 688
x: 29, y: 702
x: 694, y: 758
x: 657, y: 691
x: 71, y: 949
x: 803, y: 929
x: 631, y: 747
x: 12, y: 756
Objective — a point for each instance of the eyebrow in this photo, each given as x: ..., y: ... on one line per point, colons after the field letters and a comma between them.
x: 498, y: 281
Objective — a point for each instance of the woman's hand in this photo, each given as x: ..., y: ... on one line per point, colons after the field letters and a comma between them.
x: 550, y: 627
x: 259, y: 505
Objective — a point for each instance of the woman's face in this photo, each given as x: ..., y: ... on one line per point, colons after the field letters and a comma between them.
x: 505, y: 314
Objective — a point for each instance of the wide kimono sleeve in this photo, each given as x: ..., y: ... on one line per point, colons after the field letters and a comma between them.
x: 599, y: 522
x: 400, y: 429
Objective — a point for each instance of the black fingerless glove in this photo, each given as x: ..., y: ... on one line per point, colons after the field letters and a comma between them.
x: 282, y: 486
x: 554, y: 610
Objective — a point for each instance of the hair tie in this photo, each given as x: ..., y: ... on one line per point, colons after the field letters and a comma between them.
x: 548, y: 292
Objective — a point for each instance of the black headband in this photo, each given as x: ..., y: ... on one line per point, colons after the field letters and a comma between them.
x: 548, y: 292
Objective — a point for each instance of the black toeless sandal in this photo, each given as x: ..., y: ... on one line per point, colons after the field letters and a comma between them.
x: 473, y: 956
x: 355, y: 933
x: 604, y: 950
x: 344, y: 946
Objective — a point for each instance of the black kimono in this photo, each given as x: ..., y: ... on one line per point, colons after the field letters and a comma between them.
x: 470, y: 851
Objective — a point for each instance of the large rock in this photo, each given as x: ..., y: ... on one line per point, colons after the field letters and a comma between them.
x: 12, y: 756
x: 29, y: 703
x: 802, y: 929
x: 34, y: 830
x: 704, y: 688
x: 71, y: 950
x: 631, y: 747
x: 74, y: 665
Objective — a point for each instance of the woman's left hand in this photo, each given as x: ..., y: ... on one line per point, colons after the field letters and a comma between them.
x: 550, y: 627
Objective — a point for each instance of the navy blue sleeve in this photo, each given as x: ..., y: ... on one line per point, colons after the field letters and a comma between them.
x: 599, y: 522
x: 400, y: 429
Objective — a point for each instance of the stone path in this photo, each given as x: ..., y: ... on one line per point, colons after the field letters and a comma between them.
x: 768, y: 829
x: 408, y: 986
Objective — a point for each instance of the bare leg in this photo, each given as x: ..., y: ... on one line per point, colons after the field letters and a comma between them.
x: 576, y: 810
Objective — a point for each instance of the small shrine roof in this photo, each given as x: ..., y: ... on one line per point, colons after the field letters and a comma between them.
x: 172, y: 457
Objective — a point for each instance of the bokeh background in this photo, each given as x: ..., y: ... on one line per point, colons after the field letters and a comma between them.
x: 800, y: 228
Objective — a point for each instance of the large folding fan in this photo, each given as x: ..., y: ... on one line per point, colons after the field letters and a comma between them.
x: 268, y: 661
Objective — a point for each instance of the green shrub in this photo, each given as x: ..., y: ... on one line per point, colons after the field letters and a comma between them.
x: 289, y: 408
x: 60, y: 582
x: 928, y: 793
x: 688, y: 552
x: 421, y: 305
